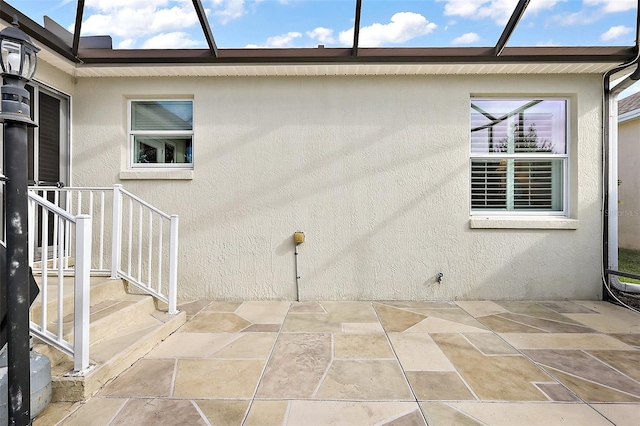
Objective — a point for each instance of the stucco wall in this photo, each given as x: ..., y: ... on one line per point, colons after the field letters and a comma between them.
x: 55, y: 78
x: 374, y: 170
x: 629, y: 188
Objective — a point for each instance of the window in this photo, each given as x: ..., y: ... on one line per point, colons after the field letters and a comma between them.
x: 161, y: 133
x: 519, y: 156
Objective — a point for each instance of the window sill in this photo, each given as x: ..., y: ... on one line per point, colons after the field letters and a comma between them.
x: 539, y: 222
x: 159, y: 174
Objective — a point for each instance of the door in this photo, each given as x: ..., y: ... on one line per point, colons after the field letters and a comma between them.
x: 48, y: 145
x: 49, y: 142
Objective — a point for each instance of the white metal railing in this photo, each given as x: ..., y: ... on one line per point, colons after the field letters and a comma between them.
x: 152, y: 263
x: 71, y: 236
x: 129, y: 239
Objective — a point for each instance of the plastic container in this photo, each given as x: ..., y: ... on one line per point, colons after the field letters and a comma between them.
x: 40, y: 384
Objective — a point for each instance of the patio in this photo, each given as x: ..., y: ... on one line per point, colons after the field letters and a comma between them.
x: 384, y: 363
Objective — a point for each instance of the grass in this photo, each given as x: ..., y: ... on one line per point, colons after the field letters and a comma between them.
x: 629, y: 261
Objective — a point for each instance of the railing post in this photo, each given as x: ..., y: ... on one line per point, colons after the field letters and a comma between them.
x: 116, y: 230
x: 82, y: 293
x: 173, y: 265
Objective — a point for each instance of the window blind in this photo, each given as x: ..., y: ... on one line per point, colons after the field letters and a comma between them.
x: 161, y: 115
x: 518, y: 151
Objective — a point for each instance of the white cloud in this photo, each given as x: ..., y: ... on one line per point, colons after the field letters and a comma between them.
x: 173, y: 18
x: 283, y: 40
x: 538, y: 5
x: 615, y: 32
x: 323, y: 35
x: 612, y: 6
x: 62, y: 3
x: 132, y: 22
x: 466, y: 38
x: 174, y: 40
x: 549, y: 43
x: 111, y: 5
x: 128, y: 43
x: 498, y: 10
x: 228, y: 10
x: 403, y: 27
x: 576, y: 18
x: 594, y: 11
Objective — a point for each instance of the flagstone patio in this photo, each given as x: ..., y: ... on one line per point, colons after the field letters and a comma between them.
x: 382, y: 363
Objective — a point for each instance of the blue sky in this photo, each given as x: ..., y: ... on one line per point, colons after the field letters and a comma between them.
x: 308, y: 23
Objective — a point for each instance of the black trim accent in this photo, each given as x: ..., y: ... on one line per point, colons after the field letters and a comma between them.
x: 606, y: 97
x: 206, y: 29
x: 456, y: 55
x: 622, y: 274
x: 511, y: 25
x: 356, y: 28
x: 77, y: 28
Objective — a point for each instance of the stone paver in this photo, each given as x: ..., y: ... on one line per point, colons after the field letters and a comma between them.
x: 384, y: 363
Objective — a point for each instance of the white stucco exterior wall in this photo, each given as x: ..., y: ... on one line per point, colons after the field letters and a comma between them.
x: 629, y: 188
x: 374, y: 170
x: 54, y: 78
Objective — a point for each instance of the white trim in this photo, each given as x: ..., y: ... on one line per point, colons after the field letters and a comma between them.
x: 612, y: 208
x: 156, y: 173
x: 519, y: 222
x: 339, y: 69
x: 533, y: 156
x: 566, y: 159
x: 628, y: 116
x: 160, y: 133
x: 68, y: 180
x: 65, y: 149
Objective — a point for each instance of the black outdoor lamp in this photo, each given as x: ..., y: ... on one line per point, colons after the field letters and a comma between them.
x: 18, y: 62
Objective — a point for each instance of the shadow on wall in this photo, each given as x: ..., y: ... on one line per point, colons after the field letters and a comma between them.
x: 298, y: 182
x: 303, y: 181
x: 536, y: 265
x: 337, y: 140
x: 91, y: 153
x: 362, y: 243
x: 287, y: 247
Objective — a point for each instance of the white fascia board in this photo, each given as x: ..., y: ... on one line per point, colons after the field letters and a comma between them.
x: 628, y: 116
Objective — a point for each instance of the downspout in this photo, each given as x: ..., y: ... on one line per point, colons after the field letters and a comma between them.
x: 610, y: 171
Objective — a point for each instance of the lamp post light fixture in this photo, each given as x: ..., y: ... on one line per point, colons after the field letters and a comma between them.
x: 18, y: 61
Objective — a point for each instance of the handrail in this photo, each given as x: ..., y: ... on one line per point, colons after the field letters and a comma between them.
x: 79, y: 349
x: 66, y: 238
x: 151, y: 266
x: 144, y: 203
x: 52, y: 207
x: 155, y: 235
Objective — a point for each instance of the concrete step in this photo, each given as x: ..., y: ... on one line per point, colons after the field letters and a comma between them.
x: 112, y: 356
x: 124, y: 327
x: 102, y: 288
x: 108, y: 317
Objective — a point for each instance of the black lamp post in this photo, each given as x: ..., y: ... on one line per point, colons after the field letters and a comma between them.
x: 18, y: 61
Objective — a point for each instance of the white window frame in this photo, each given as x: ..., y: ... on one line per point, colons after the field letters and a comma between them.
x: 160, y: 134
x: 566, y: 159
